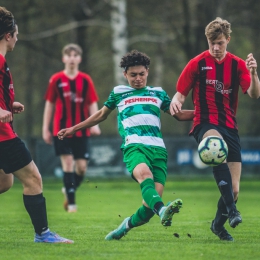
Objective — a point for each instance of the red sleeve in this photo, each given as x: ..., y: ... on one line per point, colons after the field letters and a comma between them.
x: 51, y: 93
x: 92, y: 95
x: 244, y: 76
x: 187, y: 78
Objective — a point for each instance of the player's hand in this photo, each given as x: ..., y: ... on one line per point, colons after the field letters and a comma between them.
x: 175, y: 107
x: 47, y: 137
x: 5, y: 116
x: 65, y: 132
x: 95, y: 130
x: 251, y: 63
x: 18, y: 107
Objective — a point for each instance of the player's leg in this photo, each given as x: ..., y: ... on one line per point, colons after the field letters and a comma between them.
x: 67, y: 163
x: 80, y: 171
x: 18, y: 161
x: 6, y: 181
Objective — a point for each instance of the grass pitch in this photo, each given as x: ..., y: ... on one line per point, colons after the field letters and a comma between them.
x: 103, y: 204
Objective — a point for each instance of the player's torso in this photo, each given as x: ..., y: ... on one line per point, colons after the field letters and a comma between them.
x: 6, y: 101
x: 139, y: 114
x: 215, y: 92
x: 71, y: 107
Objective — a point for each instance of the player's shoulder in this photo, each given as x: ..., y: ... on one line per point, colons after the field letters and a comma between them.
x: 119, y: 89
x: 56, y: 76
x: 84, y: 75
x: 155, y: 88
x: 2, y: 60
x: 234, y: 57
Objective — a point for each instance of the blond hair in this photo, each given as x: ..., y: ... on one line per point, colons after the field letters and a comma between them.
x: 72, y: 47
x: 216, y: 28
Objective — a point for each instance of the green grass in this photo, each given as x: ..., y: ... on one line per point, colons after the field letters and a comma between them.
x: 103, y: 204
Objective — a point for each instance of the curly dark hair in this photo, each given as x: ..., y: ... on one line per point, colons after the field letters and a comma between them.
x: 7, y: 22
x: 134, y: 58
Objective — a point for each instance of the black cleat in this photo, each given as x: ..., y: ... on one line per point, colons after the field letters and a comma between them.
x: 221, y: 232
x: 234, y: 218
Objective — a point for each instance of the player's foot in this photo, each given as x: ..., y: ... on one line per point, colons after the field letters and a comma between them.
x: 168, y: 211
x: 65, y: 203
x: 234, y: 218
x: 221, y: 232
x: 120, y: 231
x: 51, y: 237
x: 72, y: 208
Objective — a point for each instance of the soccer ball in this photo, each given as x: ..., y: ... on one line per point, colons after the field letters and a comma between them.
x: 212, y: 150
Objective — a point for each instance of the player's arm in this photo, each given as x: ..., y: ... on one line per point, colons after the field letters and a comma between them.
x: 5, y: 116
x: 95, y: 119
x: 18, y: 107
x: 93, y: 108
x: 47, y: 117
x: 176, y: 103
x: 184, y: 115
x: 254, y: 89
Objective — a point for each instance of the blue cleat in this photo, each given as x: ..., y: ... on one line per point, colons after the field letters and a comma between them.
x: 119, y: 232
x: 51, y: 237
x: 169, y: 210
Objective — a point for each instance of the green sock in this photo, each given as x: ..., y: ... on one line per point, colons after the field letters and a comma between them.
x: 141, y: 216
x: 149, y: 193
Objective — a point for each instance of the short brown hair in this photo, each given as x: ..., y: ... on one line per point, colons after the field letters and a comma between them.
x: 217, y: 27
x: 7, y: 22
x: 72, y: 47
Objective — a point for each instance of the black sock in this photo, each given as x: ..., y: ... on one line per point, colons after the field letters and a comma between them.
x: 78, y: 179
x: 223, y: 179
x: 158, y: 205
x: 69, y: 183
x: 36, y: 208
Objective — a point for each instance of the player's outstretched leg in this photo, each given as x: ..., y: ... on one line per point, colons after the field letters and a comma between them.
x: 120, y: 231
x: 51, y: 237
x: 221, y: 232
x: 166, y: 213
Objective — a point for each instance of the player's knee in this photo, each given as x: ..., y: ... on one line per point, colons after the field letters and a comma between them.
x: 4, y: 188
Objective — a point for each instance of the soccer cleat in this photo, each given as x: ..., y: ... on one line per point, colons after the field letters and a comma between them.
x: 119, y: 232
x: 65, y: 203
x: 72, y: 208
x: 234, y: 218
x: 51, y: 237
x: 221, y: 232
x: 169, y: 210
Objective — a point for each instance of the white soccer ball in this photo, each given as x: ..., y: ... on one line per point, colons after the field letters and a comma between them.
x: 213, y: 150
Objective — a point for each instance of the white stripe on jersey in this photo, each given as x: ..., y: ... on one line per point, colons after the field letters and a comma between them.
x: 143, y: 119
x: 147, y: 140
x: 122, y: 88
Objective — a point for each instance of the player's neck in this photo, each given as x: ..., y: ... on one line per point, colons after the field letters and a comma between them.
x: 71, y: 73
x: 3, y: 49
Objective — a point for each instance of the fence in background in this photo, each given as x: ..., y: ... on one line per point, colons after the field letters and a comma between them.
x: 106, y: 157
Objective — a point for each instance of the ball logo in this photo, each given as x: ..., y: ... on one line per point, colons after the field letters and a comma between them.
x: 218, y: 85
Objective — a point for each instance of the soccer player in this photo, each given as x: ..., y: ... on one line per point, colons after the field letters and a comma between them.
x: 138, y: 108
x: 214, y: 76
x: 15, y: 159
x: 71, y: 93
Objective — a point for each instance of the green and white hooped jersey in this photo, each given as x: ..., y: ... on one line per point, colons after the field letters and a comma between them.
x: 139, y: 114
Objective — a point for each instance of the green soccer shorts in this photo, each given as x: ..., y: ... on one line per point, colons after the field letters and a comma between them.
x: 154, y: 157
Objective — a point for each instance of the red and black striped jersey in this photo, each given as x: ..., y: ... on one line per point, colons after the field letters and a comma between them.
x: 72, y: 98
x: 6, y: 99
x: 214, y: 86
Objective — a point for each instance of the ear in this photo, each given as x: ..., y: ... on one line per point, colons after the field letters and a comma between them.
x: 125, y: 74
x: 7, y: 36
x: 228, y: 39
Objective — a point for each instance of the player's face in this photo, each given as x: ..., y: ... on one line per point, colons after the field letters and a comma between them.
x: 137, y: 76
x: 218, y: 47
x: 71, y: 60
x: 12, y: 39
